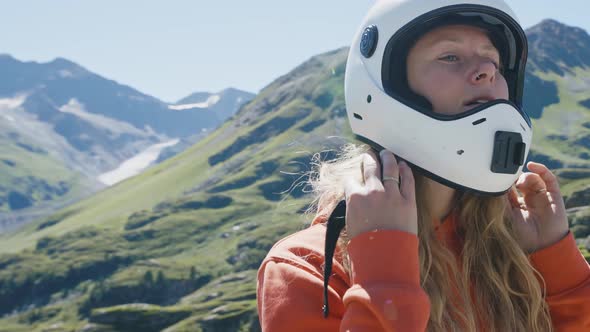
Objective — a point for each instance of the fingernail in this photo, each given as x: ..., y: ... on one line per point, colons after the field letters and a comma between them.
x: 402, y: 164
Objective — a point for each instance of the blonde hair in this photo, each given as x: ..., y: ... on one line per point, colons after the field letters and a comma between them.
x: 508, y: 293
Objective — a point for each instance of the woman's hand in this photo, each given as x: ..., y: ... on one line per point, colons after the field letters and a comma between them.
x: 375, y: 204
x: 539, y: 215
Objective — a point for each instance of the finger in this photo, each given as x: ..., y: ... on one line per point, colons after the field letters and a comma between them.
x: 516, y: 201
x: 371, y: 171
x: 548, y: 177
x: 530, y: 183
x: 390, y: 169
x: 512, y: 196
x: 533, y: 190
x: 351, y: 185
x: 551, y: 183
x: 408, y: 189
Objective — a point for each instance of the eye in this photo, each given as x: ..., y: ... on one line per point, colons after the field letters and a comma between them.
x: 499, y: 66
x: 495, y: 59
x: 449, y: 58
x: 495, y: 62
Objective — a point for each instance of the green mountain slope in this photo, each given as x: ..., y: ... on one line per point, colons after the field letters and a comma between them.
x: 30, y: 176
x: 177, y: 247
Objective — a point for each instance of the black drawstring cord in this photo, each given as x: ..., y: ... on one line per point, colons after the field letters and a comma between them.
x: 336, y: 223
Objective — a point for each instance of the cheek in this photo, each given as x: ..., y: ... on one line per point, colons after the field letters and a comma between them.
x: 434, y: 83
x: 502, y: 87
x: 443, y: 90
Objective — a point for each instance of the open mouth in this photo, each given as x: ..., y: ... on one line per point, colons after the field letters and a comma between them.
x: 477, y: 102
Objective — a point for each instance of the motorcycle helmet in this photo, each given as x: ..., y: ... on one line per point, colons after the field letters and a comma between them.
x: 483, y: 149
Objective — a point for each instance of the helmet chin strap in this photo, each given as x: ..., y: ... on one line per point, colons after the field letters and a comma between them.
x: 335, y: 224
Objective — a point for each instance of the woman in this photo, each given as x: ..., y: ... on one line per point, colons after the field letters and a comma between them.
x: 440, y: 240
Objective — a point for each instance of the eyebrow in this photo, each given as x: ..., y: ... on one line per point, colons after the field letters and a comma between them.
x: 487, y: 47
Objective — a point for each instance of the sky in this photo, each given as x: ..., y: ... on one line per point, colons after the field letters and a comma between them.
x: 170, y: 49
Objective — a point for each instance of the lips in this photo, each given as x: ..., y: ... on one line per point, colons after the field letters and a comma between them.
x: 478, y: 100
x: 474, y: 102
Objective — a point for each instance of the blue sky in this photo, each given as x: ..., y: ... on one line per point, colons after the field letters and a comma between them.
x: 172, y: 48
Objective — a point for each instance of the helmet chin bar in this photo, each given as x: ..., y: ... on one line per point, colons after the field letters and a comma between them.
x: 509, y: 151
x: 434, y: 176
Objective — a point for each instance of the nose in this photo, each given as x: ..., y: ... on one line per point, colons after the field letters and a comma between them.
x: 485, y: 72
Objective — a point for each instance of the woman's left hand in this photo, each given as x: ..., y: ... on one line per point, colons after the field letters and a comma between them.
x: 539, y: 215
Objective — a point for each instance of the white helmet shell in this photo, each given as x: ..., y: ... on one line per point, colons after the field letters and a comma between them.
x: 481, y: 150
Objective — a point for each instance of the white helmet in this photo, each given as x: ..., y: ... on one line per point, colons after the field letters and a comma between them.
x: 481, y: 150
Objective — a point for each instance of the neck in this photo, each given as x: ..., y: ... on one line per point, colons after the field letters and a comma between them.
x: 440, y: 199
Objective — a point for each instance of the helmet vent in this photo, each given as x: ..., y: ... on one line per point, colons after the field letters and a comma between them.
x: 482, y: 120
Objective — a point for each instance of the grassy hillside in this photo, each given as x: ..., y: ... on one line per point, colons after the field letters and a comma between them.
x: 563, y: 131
x: 31, y: 177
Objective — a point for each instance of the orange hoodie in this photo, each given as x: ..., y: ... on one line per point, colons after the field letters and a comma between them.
x: 384, y: 293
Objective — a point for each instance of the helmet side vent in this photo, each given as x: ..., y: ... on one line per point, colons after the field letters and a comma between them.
x: 482, y: 120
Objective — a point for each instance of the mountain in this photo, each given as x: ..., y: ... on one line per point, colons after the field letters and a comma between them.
x: 558, y: 48
x: 177, y: 247
x: 68, y: 133
x: 559, y: 81
x: 215, y: 108
x: 223, y: 104
x: 557, y: 91
x: 60, y: 82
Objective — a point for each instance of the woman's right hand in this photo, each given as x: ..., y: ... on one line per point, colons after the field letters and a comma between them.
x: 372, y: 204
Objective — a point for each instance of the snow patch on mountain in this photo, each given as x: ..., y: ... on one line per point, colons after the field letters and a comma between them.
x: 212, y: 100
x: 35, y: 132
x: 135, y: 164
x: 100, y: 121
x: 64, y: 73
x: 11, y: 103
